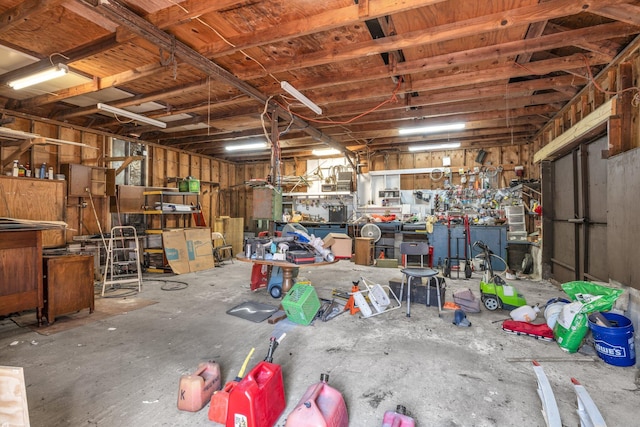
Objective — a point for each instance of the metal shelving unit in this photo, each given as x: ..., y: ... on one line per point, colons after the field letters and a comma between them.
x: 156, y: 222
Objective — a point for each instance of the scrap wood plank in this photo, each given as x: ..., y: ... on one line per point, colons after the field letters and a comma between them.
x: 276, y: 317
x: 14, y: 411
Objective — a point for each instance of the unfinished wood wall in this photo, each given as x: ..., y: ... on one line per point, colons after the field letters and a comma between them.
x: 218, y: 179
x: 620, y: 81
x: 505, y: 156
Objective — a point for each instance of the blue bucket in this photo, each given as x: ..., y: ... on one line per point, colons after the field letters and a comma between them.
x: 614, y: 345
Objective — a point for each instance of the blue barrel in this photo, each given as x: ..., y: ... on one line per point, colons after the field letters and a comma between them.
x: 615, y: 345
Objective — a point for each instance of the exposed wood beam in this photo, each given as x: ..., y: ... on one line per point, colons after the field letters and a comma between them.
x: 75, y: 54
x: 324, y: 21
x: 495, y: 52
x: 490, y: 89
x: 23, y: 11
x: 188, y: 10
x: 535, y: 30
x: 121, y: 14
x: 620, y: 12
x: 22, y: 148
x: 598, y: 45
x: 97, y: 84
x: 136, y: 100
x: 466, y: 28
x: 126, y: 161
x: 572, y: 136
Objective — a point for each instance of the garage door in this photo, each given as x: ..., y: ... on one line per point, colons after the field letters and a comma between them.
x: 579, y: 214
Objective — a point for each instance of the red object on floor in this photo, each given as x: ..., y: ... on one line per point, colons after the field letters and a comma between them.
x: 258, y: 399
x: 541, y: 331
x: 220, y: 403
x: 259, y: 276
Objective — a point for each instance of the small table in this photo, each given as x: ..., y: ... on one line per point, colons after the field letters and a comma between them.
x: 287, y: 268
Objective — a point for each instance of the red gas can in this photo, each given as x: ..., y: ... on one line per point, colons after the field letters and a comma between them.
x: 258, y: 399
x: 397, y: 418
x: 320, y: 406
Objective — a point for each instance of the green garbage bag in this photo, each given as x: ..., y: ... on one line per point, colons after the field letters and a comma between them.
x: 572, y: 324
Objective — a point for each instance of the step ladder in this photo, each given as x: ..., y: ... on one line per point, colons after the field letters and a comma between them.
x: 122, y: 264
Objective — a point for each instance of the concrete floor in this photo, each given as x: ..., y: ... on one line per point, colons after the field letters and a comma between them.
x: 124, y: 370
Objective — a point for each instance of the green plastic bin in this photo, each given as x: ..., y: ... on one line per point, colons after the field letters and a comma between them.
x: 301, y: 304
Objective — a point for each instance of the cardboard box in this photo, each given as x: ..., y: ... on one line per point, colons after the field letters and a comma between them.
x: 339, y: 243
x: 188, y: 250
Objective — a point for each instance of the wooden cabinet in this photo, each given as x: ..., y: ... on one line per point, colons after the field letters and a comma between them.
x: 68, y: 285
x: 84, y: 180
x: 21, y: 271
x: 364, y: 251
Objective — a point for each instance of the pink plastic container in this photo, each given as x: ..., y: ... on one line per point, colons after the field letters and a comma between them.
x: 397, y: 418
x: 195, y: 390
x: 320, y: 406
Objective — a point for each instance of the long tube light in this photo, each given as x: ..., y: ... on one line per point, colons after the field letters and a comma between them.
x: 300, y: 97
x: 247, y: 146
x: 431, y: 129
x: 434, y: 146
x: 131, y: 115
x: 325, y: 152
x: 42, y: 76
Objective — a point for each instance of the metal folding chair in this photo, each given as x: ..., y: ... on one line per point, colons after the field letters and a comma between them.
x: 222, y: 251
x: 409, y: 273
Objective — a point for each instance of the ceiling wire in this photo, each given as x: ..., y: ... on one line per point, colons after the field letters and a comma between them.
x: 57, y: 54
x: 392, y: 98
x: 197, y: 18
x: 636, y: 97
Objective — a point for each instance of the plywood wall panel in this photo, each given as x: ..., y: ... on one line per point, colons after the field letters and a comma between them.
x: 184, y: 168
x: 70, y: 153
x: 35, y: 199
x: 194, y: 166
x: 172, y: 165
x: 215, y: 171
x: 205, y: 169
x: 510, y: 155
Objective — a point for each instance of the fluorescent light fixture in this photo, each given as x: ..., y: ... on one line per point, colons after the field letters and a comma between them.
x: 248, y: 146
x: 134, y: 116
x: 431, y: 129
x: 300, y: 97
x: 325, y: 152
x: 42, y: 76
x: 434, y: 146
